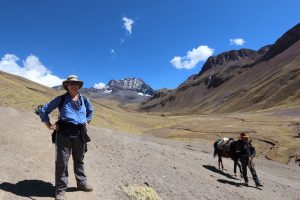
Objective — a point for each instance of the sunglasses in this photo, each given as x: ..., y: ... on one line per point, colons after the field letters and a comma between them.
x: 73, y: 83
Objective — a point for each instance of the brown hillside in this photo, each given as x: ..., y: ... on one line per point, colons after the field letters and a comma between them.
x: 240, y: 81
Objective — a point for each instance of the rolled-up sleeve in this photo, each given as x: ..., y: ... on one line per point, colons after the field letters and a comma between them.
x: 89, y: 111
x: 48, y: 108
x: 253, y: 151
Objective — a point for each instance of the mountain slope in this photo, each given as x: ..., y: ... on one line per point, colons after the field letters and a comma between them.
x: 243, y: 80
x: 21, y: 93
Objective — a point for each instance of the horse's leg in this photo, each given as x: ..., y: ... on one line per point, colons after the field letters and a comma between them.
x: 222, y: 164
x: 219, y: 160
x: 234, y: 167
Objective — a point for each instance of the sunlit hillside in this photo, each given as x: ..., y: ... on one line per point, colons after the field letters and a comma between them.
x: 20, y: 93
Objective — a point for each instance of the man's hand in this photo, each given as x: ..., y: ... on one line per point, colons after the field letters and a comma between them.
x: 251, y: 158
x: 250, y: 163
x: 51, y: 126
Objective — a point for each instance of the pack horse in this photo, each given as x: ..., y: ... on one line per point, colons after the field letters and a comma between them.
x: 226, y: 147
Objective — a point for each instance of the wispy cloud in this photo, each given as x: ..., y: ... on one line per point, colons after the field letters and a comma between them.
x: 32, y: 69
x: 113, y: 53
x: 237, y: 41
x: 192, y: 58
x: 99, y: 85
x: 127, y: 24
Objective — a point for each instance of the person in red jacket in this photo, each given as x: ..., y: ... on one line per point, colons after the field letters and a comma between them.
x: 246, y: 152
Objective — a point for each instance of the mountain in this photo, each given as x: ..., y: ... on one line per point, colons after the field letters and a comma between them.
x: 127, y: 90
x: 130, y: 84
x: 239, y: 80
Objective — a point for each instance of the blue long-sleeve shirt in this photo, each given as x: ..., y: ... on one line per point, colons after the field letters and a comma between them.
x: 69, y: 111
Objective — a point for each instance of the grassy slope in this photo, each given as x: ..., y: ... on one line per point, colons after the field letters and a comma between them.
x: 25, y: 95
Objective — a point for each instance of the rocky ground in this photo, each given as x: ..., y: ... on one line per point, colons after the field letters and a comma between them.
x: 124, y: 166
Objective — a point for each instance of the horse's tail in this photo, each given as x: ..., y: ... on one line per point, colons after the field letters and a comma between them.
x: 215, y: 151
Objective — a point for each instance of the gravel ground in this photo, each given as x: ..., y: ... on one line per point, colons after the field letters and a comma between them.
x: 124, y: 166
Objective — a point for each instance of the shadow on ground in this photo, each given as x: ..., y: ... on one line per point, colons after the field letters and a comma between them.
x: 214, y: 169
x: 29, y: 188
x: 230, y: 182
x: 235, y: 183
x: 72, y: 189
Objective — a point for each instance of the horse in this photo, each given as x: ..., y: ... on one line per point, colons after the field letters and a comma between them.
x: 227, y: 148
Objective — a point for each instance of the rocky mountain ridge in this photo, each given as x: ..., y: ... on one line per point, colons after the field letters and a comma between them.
x: 233, y: 58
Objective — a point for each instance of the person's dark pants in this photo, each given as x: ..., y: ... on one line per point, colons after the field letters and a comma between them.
x: 65, y: 145
x: 245, y: 163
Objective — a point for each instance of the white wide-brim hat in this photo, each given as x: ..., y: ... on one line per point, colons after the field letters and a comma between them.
x: 72, y: 78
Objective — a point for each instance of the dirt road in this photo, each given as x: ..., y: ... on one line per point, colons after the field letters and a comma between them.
x: 124, y: 166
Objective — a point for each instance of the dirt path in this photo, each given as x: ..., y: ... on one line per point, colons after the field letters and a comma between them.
x: 119, y: 165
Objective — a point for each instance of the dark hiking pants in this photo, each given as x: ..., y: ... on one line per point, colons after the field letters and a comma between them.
x: 244, y: 161
x: 65, y: 146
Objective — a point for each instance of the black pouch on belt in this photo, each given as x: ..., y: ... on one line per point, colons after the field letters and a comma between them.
x: 53, y: 136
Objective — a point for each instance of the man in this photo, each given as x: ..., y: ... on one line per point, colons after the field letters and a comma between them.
x: 246, y: 152
x: 71, y: 134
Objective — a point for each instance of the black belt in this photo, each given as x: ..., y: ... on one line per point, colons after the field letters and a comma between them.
x: 70, y: 129
x: 69, y: 124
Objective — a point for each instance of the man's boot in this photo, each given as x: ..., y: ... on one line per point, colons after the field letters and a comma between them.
x: 258, y: 184
x: 85, y: 188
x: 60, y: 195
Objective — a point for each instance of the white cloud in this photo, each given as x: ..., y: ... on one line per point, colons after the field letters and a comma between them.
x: 127, y: 23
x: 237, y: 41
x: 192, y: 58
x: 99, y: 85
x: 32, y: 69
x: 112, y: 51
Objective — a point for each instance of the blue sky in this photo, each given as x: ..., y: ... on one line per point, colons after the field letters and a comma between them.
x: 161, y: 41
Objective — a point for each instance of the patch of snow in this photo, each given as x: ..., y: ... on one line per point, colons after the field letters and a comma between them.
x: 142, y: 94
x: 107, y: 91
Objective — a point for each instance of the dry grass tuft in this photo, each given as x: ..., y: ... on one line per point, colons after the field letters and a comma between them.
x: 141, y: 193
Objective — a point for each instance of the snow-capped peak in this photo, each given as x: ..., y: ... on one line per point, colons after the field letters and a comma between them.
x: 133, y: 84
